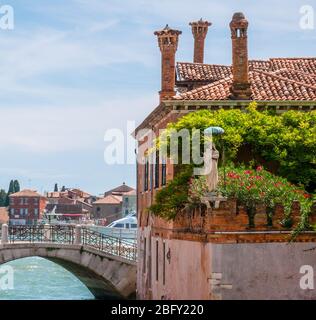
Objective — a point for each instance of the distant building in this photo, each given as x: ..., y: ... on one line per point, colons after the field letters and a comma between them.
x: 73, y: 203
x: 129, y: 203
x: 26, y: 207
x: 4, y: 215
x: 116, y: 203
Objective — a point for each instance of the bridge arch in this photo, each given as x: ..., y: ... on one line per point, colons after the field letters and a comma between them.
x: 106, y: 276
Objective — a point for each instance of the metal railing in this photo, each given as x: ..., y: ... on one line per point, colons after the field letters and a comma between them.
x: 73, y: 235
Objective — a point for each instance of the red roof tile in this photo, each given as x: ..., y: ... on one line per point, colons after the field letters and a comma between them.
x: 110, y: 199
x: 26, y: 193
x: 264, y: 85
x: 201, y: 72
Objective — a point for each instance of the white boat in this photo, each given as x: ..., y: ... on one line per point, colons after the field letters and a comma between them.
x: 125, y: 228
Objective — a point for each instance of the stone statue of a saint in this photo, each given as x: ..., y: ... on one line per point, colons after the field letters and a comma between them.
x: 212, y: 156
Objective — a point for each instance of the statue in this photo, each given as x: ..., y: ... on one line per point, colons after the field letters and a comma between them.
x: 212, y: 157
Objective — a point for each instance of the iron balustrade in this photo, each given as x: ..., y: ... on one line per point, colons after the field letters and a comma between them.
x: 67, y: 235
x: 115, y: 246
x: 26, y: 233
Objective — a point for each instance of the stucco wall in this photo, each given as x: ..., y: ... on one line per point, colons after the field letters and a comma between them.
x: 198, y: 270
x: 262, y: 271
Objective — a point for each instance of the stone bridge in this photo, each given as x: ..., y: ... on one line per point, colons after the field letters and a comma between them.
x: 106, y: 265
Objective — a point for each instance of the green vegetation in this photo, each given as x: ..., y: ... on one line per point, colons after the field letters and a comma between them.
x: 4, y: 196
x: 286, y: 143
x: 252, y: 187
x: 287, y: 140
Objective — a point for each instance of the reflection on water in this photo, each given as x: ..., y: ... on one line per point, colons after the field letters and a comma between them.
x: 39, y: 279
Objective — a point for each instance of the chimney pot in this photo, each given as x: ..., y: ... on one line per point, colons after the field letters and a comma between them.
x: 168, y: 43
x: 199, y: 31
x: 241, y: 86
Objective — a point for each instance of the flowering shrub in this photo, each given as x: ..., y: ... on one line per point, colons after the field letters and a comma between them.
x: 197, y: 189
x: 252, y: 187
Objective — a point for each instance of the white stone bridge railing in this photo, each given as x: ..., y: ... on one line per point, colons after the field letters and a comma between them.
x: 76, y: 235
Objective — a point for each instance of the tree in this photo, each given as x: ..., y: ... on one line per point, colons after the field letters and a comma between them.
x: 56, y: 187
x: 11, y: 190
x: 3, y: 198
x: 63, y: 189
x: 16, y: 186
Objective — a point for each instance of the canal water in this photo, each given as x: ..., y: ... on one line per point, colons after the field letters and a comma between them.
x: 39, y: 279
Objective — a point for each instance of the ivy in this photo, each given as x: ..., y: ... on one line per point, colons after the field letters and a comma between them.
x: 289, y: 139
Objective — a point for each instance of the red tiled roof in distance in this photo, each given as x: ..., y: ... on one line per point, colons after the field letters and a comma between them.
x: 110, y: 199
x: 26, y: 193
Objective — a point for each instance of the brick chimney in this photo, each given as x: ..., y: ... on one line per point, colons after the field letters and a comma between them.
x: 241, y: 86
x: 168, y: 44
x: 199, y: 31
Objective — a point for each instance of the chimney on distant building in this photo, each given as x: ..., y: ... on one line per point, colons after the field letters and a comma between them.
x: 168, y: 44
x: 241, y: 86
x: 199, y: 31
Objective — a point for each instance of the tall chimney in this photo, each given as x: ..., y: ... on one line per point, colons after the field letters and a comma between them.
x: 199, y: 31
x: 168, y: 44
x: 241, y: 86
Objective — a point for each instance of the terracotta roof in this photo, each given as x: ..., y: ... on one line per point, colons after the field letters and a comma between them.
x: 297, y: 76
x: 130, y: 193
x: 119, y: 190
x: 265, y: 86
x: 26, y: 193
x: 306, y: 65
x: 198, y: 72
x: 110, y: 199
x: 201, y: 72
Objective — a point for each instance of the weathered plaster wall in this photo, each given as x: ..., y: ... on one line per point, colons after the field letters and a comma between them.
x: 234, y: 271
x: 262, y: 271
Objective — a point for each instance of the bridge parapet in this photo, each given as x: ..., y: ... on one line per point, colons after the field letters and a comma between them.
x: 72, y: 235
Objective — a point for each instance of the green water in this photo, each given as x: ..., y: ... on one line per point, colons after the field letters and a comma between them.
x: 39, y: 279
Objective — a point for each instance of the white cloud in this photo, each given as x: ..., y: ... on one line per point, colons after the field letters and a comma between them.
x: 73, y: 128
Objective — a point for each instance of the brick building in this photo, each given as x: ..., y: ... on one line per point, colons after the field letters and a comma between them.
x: 73, y: 203
x: 26, y: 207
x: 193, y: 259
x: 115, y: 204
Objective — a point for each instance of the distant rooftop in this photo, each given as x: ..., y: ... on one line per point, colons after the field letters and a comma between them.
x: 26, y: 193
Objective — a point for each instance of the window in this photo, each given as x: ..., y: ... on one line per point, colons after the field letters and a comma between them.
x: 26, y: 212
x: 133, y: 225
x: 151, y: 173
x: 157, y: 262
x: 26, y: 200
x: 21, y: 212
x: 145, y: 255
x: 12, y: 212
x: 119, y: 225
x: 36, y: 212
x: 163, y: 172
x: 157, y: 170
x: 164, y: 264
x: 146, y: 174
x: 21, y: 201
x: 35, y: 201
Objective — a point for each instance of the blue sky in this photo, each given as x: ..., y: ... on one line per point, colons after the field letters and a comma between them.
x: 70, y: 70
